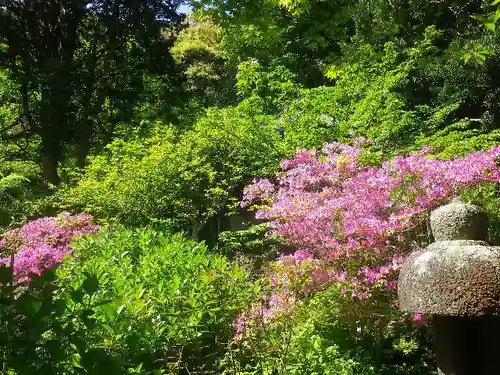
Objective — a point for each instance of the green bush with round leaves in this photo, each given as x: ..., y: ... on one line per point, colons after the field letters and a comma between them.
x: 160, y: 301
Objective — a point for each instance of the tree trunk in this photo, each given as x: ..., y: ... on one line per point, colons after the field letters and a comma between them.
x: 49, y: 167
x: 50, y: 155
x: 52, y: 127
x: 83, y: 144
x: 85, y: 129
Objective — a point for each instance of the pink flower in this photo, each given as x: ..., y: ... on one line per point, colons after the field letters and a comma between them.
x: 43, y: 243
x: 355, y: 225
x: 418, y: 318
x: 362, y: 141
x: 277, y: 305
x: 259, y: 189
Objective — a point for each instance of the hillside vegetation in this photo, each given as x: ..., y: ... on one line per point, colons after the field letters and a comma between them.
x: 234, y: 191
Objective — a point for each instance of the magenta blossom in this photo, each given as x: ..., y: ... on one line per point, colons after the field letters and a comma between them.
x: 260, y: 188
x: 353, y: 224
x: 43, y: 243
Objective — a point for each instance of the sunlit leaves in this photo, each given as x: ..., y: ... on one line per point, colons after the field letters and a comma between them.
x: 490, y: 20
x: 476, y: 52
x: 248, y: 76
x: 154, y: 298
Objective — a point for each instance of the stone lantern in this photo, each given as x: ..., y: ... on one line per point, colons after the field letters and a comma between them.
x: 457, y: 280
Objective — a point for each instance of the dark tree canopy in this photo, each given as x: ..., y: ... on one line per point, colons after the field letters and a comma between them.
x: 79, y: 61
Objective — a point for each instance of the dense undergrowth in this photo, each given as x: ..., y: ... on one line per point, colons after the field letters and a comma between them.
x: 234, y: 193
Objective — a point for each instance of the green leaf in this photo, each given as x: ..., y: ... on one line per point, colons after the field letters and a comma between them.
x: 103, y: 302
x: 91, y: 284
x: 77, y: 296
x: 30, y: 305
x: 480, y: 58
x: 120, y: 309
x: 480, y: 18
x: 490, y: 26
x: 6, y: 274
x: 109, y: 311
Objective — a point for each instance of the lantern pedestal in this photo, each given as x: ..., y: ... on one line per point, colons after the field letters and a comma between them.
x: 467, y: 346
x: 456, y: 280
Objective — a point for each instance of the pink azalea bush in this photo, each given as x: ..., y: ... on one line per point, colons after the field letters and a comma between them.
x: 352, y: 224
x: 43, y: 243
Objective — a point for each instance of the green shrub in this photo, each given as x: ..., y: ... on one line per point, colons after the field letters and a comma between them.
x: 188, y: 179
x: 327, y: 334
x: 251, y: 248
x: 403, y: 95
x: 161, y: 300
x: 25, y: 351
x: 23, y: 193
x: 43, y: 334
